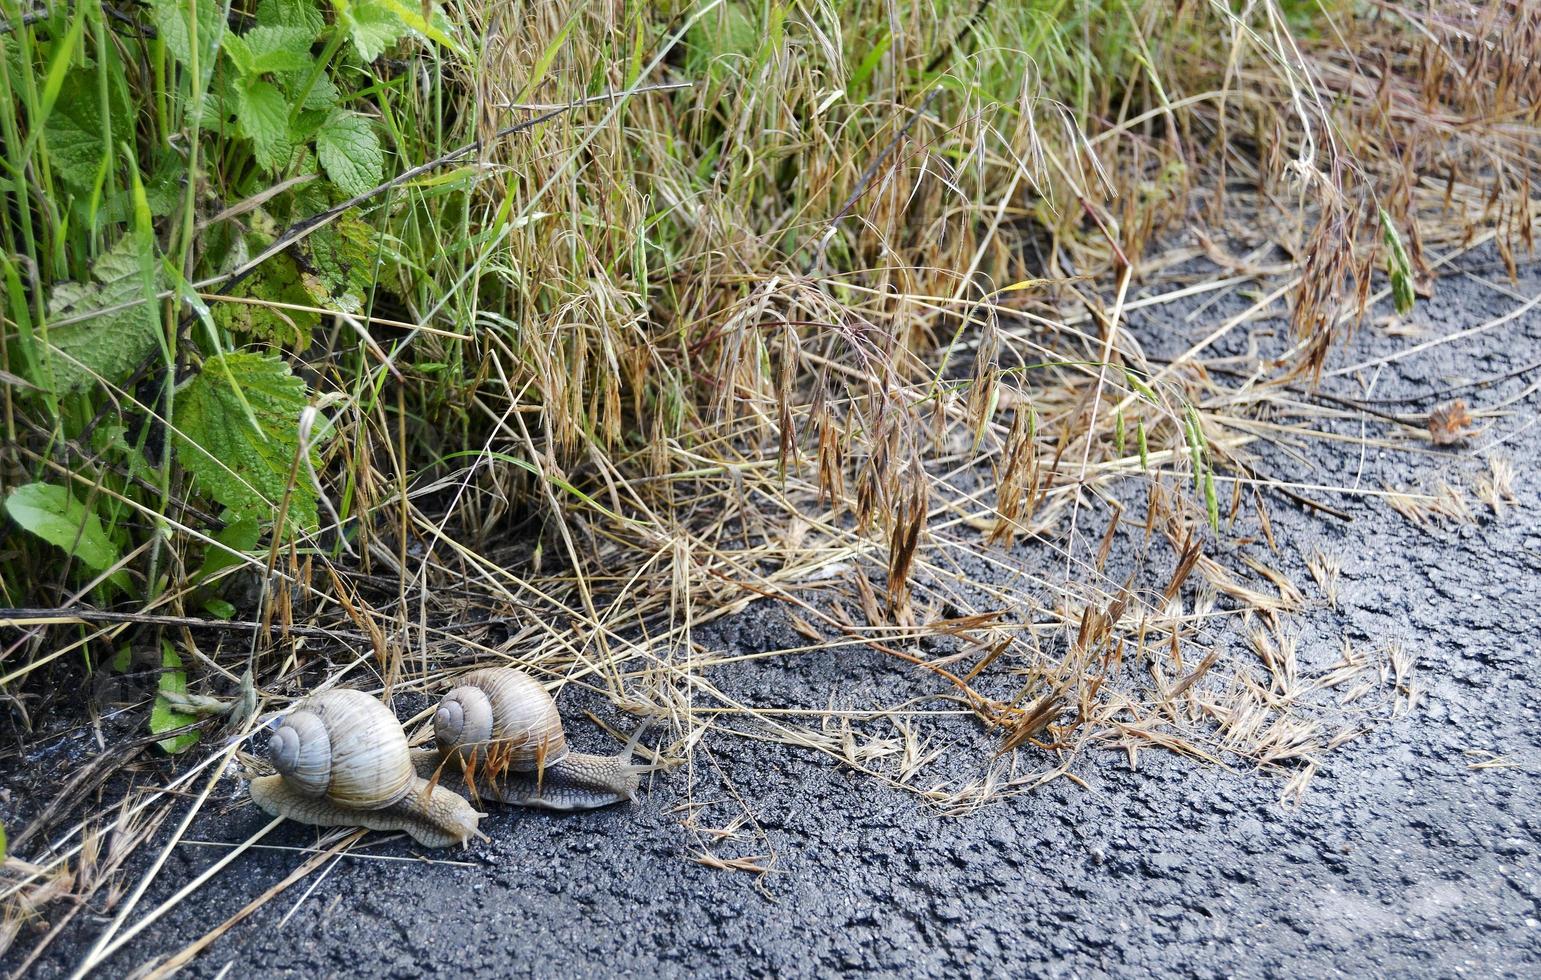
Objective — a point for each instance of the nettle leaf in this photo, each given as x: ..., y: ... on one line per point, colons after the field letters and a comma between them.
x: 279, y: 281
x: 374, y: 27
x: 350, y: 152
x: 264, y: 116
x: 237, y: 432
x: 74, y: 150
x: 108, y: 344
x: 76, y: 141
x: 323, y: 94
x: 54, y: 514
x: 343, y: 255
x: 239, y: 53
x: 291, y: 13
x: 175, y: 25
x: 277, y: 48
x: 165, y: 718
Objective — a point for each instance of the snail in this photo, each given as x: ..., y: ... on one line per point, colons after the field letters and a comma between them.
x: 498, y: 727
x: 343, y: 761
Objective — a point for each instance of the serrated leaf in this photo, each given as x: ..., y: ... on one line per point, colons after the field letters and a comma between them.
x: 76, y: 143
x: 165, y: 718
x: 323, y: 94
x: 54, y: 514
x: 74, y: 150
x: 275, y: 49
x: 307, y: 123
x: 123, y: 261
x: 350, y: 152
x: 237, y: 432
x: 373, y: 28
x: 239, y: 53
x: 343, y: 255
x: 107, y: 344
x: 278, y: 282
x: 174, y: 23
x: 264, y: 116
x: 291, y: 13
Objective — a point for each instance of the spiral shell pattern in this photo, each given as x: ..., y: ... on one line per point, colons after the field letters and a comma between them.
x: 501, y: 715
x: 346, y: 746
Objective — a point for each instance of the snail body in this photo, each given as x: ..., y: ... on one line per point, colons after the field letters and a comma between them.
x: 500, y: 733
x: 342, y: 761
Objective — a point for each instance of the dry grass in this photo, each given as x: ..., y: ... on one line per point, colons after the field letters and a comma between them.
x: 843, y: 333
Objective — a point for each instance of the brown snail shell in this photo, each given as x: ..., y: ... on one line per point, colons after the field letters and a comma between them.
x: 342, y: 761
x: 504, y: 714
x: 501, y: 733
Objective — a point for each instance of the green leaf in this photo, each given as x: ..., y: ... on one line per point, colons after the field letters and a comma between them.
x: 175, y: 26
x: 239, y: 53
x: 264, y: 116
x: 219, y: 609
x: 374, y: 28
x: 238, y: 535
x: 52, y: 513
x: 76, y: 143
x: 416, y: 13
x: 291, y: 13
x: 237, y: 432
x: 343, y: 255
x: 306, y: 125
x: 2, y: 843
x: 165, y: 718
x: 274, y: 49
x: 279, y: 281
x: 350, y: 152
x: 108, y: 344
x: 75, y: 150
x: 323, y: 95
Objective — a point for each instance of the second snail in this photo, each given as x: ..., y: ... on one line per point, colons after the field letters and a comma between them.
x: 341, y: 760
